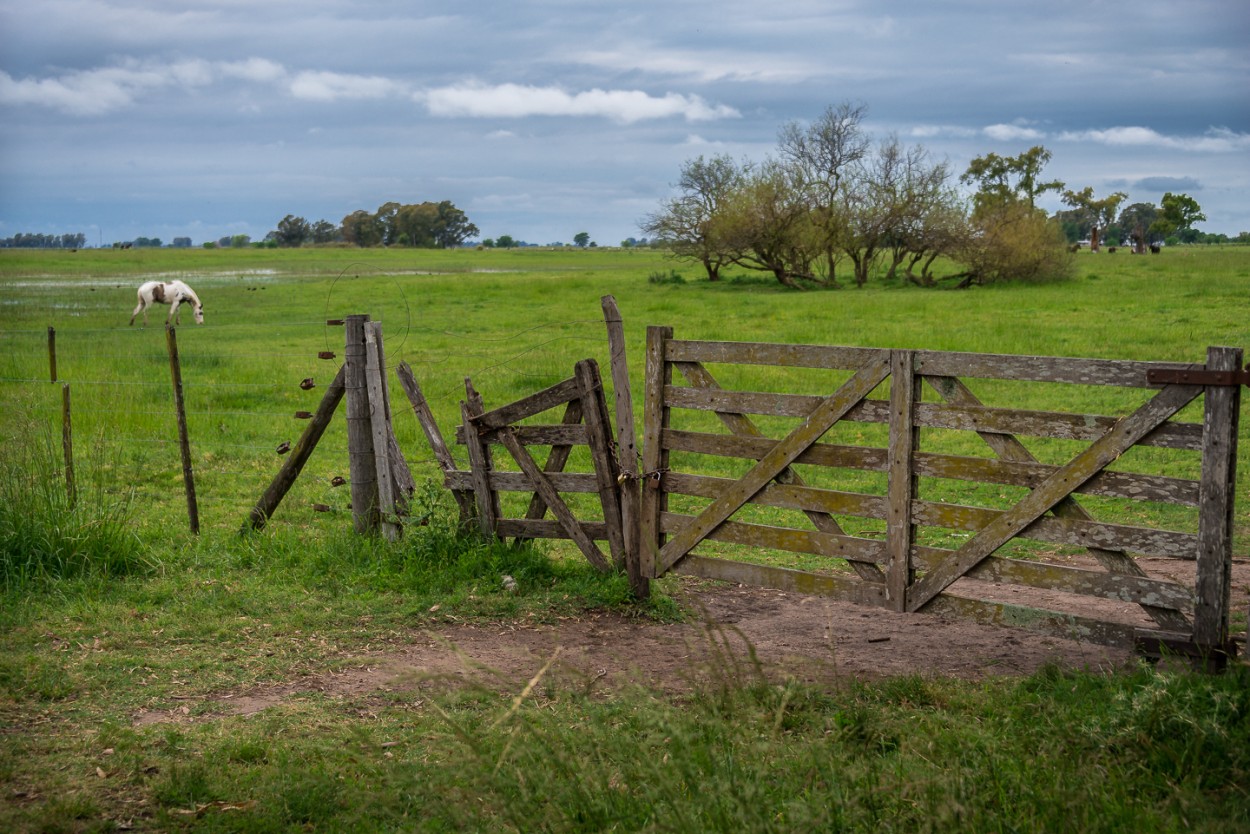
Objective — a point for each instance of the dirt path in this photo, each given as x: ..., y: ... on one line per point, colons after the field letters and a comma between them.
x: 740, y: 634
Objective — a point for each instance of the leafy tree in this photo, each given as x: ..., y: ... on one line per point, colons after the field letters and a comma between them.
x: 1098, y: 214
x: 453, y: 227
x: 1137, y: 221
x: 361, y: 229
x: 181, y: 243
x: 1177, y: 213
x: 581, y: 239
x: 1013, y: 241
x: 504, y: 242
x: 685, y: 221
x: 1015, y: 177
x: 323, y: 231
x: 292, y: 231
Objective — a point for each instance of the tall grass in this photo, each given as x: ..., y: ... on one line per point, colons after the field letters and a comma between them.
x: 50, y: 531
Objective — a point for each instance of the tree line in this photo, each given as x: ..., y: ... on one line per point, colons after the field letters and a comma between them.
x: 25, y: 240
x: 424, y: 225
x: 833, y: 202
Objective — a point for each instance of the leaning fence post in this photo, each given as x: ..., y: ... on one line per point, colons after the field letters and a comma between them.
x: 1221, y: 404
x: 184, y: 442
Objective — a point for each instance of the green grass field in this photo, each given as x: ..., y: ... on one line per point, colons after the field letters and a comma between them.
x: 130, y: 610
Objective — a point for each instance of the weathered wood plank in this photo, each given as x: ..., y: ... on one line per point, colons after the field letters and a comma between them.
x: 809, y: 431
x: 442, y: 453
x: 1053, y: 623
x: 535, y: 403
x: 783, y: 579
x: 360, y: 451
x: 815, y: 425
x: 533, y: 434
x: 1135, y: 589
x: 528, y: 528
x: 501, y: 481
x: 753, y: 353
x: 1123, y: 435
x: 599, y: 439
x: 742, y: 426
x: 1009, y: 448
x: 933, y: 415
x: 787, y: 539
x: 1143, y: 540
x: 655, y: 417
x: 1041, y: 368
x: 1129, y: 485
x: 556, y: 459
x: 379, y: 425
x: 553, y: 500
x: 901, y: 489
x: 1221, y: 408
x: 480, y: 462
x: 626, y: 445
x: 1146, y: 541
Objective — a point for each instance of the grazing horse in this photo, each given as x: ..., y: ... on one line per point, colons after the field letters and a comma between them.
x: 172, y: 293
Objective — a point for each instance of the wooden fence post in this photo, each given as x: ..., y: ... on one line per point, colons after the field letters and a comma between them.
x: 654, y: 501
x: 184, y: 442
x: 67, y: 446
x: 379, y: 424
x: 900, y: 532
x: 1221, y: 405
x: 360, y: 449
x: 52, y: 353
x: 626, y: 446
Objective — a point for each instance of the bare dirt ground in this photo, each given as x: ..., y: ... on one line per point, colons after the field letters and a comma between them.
x: 740, y: 634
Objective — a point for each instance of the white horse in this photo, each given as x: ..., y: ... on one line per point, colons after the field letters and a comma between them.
x: 172, y: 293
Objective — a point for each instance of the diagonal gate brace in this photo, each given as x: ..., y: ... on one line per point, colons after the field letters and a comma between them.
x: 771, y: 465
x: 1121, y: 436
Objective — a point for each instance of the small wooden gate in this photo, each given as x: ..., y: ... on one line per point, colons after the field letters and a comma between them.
x: 584, y: 422
x: 947, y: 528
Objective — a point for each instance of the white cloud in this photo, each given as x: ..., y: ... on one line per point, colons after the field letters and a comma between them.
x: 330, y: 86
x: 1012, y: 132
x: 519, y: 101
x: 98, y: 91
x: 1215, y: 140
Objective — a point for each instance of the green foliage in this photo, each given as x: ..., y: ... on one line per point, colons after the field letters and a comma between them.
x: 48, y: 532
x: 672, y: 276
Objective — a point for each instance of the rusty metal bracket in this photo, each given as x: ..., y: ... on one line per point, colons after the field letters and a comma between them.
x: 1198, y: 376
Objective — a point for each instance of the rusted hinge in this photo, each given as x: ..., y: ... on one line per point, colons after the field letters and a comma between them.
x: 1199, y: 376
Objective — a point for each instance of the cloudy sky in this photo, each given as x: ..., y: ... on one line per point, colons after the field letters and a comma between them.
x: 544, y: 118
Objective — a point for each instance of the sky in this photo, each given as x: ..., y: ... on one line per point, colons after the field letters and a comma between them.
x: 541, y: 119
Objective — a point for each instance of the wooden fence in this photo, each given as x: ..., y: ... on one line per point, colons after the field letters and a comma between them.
x: 745, y: 477
x: 900, y: 554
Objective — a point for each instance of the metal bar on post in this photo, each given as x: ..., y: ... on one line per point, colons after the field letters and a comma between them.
x: 1217, y: 491
x: 626, y: 447
x: 360, y: 450
x: 184, y: 442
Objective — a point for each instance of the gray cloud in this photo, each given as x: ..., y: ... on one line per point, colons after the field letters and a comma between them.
x: 545, y: 117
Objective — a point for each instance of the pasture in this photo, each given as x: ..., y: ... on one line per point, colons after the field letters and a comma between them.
x: 137, y: 615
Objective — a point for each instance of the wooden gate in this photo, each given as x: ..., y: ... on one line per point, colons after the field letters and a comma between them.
x: 584, y: 422
x: 991, y: 502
